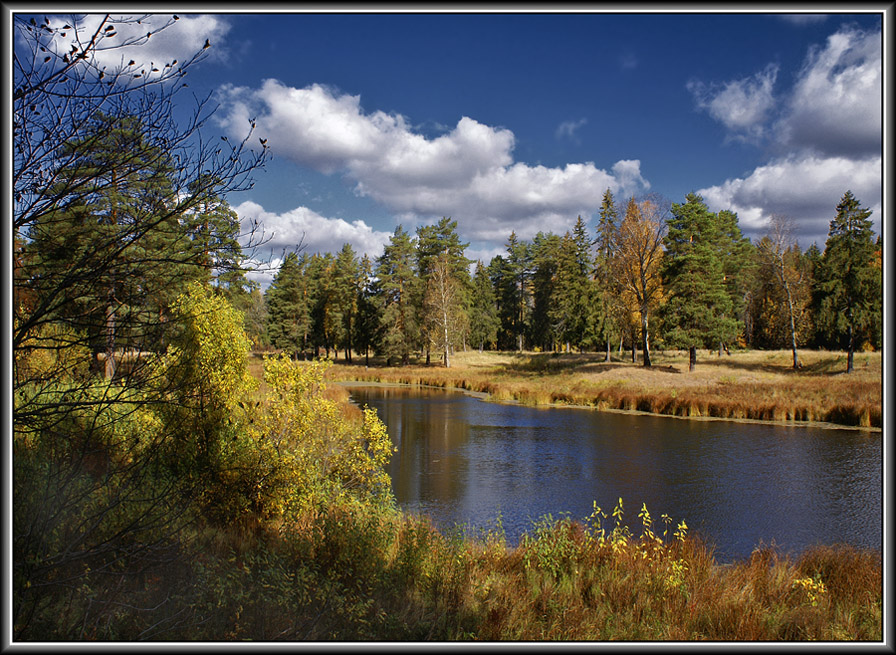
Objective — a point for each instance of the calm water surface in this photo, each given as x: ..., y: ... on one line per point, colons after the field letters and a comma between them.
x: 464, y: 461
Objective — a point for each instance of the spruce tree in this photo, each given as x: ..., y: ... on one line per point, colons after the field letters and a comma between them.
x: 326, y: 312
x: 606, y: 310
x: 572, y: 290
x: 288, y: 309
x: 850, y: 278
x: 368, y: 323
x: 698, y: 311
x: 517, y: 291
x: 484, y: 322
x: 739, y: 264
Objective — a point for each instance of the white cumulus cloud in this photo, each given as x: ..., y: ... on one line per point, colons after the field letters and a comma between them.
x: 313, y: 233
x: 467, y: 173
x: 805, y: 188
x: 835, y: 106
x: 827, y: 129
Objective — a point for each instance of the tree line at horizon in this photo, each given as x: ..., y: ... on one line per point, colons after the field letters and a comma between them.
x: 653, y: 274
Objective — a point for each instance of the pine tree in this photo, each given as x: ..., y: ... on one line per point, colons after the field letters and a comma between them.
x: 698, y: 311
x: 326, y: 312
x: 516, y: 291
x: 368, y: 323
x: 543, y: 321
x: 112, y: 260
x: 214, y: 229
x: 850, y: 277
x: 398, y: 286
x: 346, y: 287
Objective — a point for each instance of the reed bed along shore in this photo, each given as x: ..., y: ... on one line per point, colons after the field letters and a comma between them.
x: 346, y: 572
x: 750, y: 385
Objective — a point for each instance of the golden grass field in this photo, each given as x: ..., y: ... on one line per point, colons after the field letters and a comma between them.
x: 749, y: 385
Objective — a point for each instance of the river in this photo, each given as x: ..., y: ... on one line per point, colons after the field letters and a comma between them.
x: 467, y: 462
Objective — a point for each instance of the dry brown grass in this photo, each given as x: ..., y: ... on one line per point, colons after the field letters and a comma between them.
x: 750, y: 385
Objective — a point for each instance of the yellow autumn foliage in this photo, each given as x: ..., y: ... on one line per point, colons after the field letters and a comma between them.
x: 322, y: 453
x: 294, y: 449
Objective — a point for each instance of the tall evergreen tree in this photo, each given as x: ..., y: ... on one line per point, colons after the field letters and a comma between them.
x: 484, y: 322
x: 517, y: 291
x: 118, y: 252
x: 498, y: 273
x: 346, y: 288
x: 214, y: 229
x: 572, y: 295
x: 698, y: 311
x: 850, y: 280
x: 289, y: 306
x: 398, y: 285
x: 543, y: 320
x: 606, y: 310
x: 739, y: 264
x: 326, y: 312
x: 811, y: 264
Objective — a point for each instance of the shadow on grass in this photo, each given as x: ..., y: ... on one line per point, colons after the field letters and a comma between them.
x: 577, y: 362
x: 835, y: 364
x: 668, y: 361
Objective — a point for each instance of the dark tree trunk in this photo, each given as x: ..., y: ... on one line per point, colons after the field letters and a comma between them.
x: 692, y: 358
x: 850, y: 349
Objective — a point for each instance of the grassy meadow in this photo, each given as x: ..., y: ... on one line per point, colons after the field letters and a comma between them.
x: 751, y: 385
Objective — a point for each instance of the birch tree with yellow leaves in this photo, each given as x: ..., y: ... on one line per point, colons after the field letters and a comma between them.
x: 638, y: 254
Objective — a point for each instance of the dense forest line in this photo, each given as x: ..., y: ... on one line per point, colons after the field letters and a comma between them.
x: 654, y: 275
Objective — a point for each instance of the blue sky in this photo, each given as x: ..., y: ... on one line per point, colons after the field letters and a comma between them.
x: 520, y: 122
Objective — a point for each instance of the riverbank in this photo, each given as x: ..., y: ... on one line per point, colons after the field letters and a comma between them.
x: 348, y: 572
x: 746, y: 385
